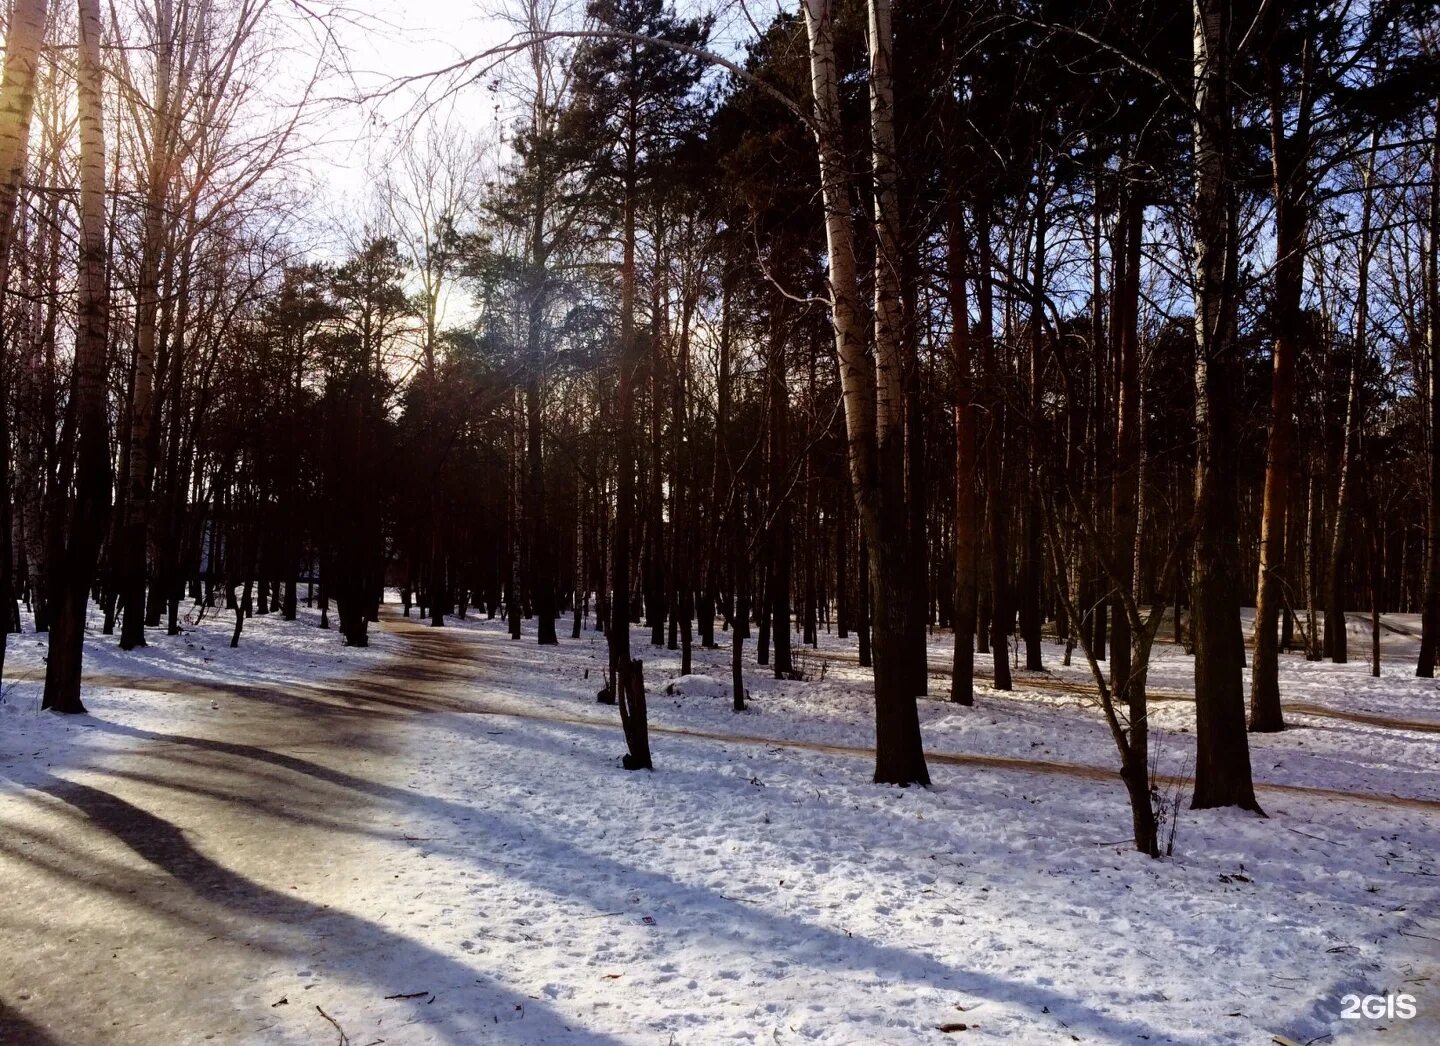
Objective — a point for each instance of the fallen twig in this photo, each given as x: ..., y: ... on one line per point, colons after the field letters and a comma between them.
x: 344, y: 1039
x: 1406, y: 933
x: 1307, y: 835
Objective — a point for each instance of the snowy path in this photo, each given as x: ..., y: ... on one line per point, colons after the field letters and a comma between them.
x: 447, y: 660
x: 439, y: 848
x: 150, y: 891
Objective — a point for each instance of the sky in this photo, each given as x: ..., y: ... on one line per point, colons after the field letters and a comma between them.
x: 384, y: 40
x: 352, y: 138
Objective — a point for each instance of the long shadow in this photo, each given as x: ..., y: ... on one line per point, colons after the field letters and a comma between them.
x: 821, y: 944
x: 1324, y: 1013
x: 548, y: 854
x: 609, y: 884
x: 164, y: 845
x: 149, y: 835
x: 16, y: 1030
x: 354, y: 698
x: 313, y: 817
x: 383, y: 691
x: 118, y: 883
x: 290, y: 697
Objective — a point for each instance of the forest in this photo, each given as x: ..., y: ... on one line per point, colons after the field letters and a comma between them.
x: 983, y: 341
x: 709, y: 378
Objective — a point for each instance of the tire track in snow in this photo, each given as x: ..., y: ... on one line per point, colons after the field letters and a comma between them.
x: 1070, y: 686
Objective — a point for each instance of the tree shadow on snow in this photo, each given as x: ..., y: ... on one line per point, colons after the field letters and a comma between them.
x: 606, y: 885
x: 291, y: 926
x: 16, y: 1030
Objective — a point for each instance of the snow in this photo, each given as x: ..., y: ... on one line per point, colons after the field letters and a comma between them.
x: 124, y: 683
x: 459, y: 831
x: 697, y: 685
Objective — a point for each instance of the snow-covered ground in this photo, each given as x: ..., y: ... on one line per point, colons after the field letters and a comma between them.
x: 270, y: 650
x: 124, y: 683
x: 499, y: 878
x: 751, y: 891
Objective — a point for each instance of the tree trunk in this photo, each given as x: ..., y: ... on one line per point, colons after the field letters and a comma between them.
x: 7, y: 559
x: 17, y: 102
x: 862, y: 619
x: 1377, y: 579
x: 1312, y: 546
x: 1125, y: 478
x: 1290, y: 236
x: 537, y: 521
x: 1222, y: 759
x: 1336, y: 638
x: 779, y: 535
x: 996, y: 518
x: 622, y: 668
x: 1030, y: 567
x: 581, y: 589
x: 653, y: 554
x: 514, y: 607
x: 132, y: 534
x: 76, y: 540
x: 1430, y: 615
x: 962, y: 678
x: 17, y: 98
x: 873, y: 396
x: 631, y: 699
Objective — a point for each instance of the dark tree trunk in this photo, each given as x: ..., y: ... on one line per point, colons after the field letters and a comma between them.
x: 631, y: 685
x: 1430, y: 614
x: 1290, y: 155
x: 962, y: 679
x: 1125, y: 479
x: 625, y: 672
x: 1222, y: 760
x: 737, y: 670
x: 842, y: 570
x: 1031, y: 615
x: 997, y: 522
x: 23, y: 38
x: 862, y: 618
x: 75, y: 545
x: 780, y: 539
x: 242, y: 611
x: 7, y: 580
x: 542, y: 576
x: 537, y: 520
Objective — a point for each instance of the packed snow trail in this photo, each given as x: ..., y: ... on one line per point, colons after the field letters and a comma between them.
x: 144, y: 895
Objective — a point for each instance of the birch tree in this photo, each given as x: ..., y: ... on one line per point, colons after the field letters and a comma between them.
x: 17, y: 102
x: 76, y: 534
x: 872, y: 388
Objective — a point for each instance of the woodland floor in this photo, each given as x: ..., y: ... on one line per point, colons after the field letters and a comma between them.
x: 430, y: 841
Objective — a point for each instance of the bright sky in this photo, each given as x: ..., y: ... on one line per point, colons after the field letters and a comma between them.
x: 351, y: 147
x: 388, y: 39
x: 383, y: 40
